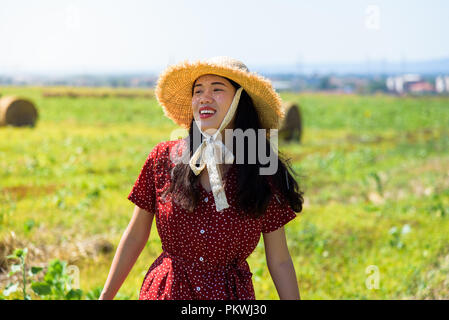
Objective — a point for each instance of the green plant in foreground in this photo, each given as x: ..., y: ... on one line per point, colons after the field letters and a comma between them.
x: 20, y: 254
x: 56, y: 284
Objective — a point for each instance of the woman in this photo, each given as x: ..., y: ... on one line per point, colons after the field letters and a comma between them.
x: 211, y: 202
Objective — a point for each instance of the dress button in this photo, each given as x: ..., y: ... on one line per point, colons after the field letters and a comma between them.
x: 198, y: 288
x: 206, y: 199
x: 201, y: 258
x: 202, y: 231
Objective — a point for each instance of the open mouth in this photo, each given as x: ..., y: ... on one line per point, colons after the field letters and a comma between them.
x: 206, y: 112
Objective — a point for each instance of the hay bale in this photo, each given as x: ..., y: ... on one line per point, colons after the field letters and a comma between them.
x: 290, y: 127
x: 16, y: 111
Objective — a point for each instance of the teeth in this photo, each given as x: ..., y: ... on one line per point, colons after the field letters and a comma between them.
x: 207, y: 111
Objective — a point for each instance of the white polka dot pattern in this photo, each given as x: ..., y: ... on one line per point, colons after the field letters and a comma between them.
x: 204, y: 252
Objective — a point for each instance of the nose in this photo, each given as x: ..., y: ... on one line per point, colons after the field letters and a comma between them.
x: 205, y: 97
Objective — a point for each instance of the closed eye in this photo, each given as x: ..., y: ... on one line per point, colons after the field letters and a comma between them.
x: 199, y: 91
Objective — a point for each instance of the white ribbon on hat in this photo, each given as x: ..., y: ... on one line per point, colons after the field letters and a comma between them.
x: 210, y: 152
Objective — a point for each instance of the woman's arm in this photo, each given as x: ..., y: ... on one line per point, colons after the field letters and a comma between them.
x: 280, y: 265
x: 131, y: 245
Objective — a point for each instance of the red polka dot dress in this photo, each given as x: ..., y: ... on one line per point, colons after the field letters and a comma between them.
x: 204, y: 252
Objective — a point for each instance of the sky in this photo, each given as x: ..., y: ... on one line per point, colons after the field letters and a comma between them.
x: 90, y: 36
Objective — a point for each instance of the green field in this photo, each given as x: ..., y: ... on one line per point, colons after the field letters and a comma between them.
x: 376, y: 181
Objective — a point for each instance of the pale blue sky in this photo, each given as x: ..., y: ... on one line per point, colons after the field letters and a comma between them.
x: 143, y: 35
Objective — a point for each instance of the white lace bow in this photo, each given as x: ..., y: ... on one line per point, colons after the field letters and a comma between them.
x: 210, y: 153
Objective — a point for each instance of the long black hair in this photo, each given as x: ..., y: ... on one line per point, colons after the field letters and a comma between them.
x: 253, y: 190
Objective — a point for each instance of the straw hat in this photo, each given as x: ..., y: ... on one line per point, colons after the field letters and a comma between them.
x: 174, y: 89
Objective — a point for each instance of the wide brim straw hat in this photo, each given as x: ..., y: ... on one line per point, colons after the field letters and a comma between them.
x: 174, y: 89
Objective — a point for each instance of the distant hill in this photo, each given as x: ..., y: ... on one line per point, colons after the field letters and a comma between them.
x: 427, y: 67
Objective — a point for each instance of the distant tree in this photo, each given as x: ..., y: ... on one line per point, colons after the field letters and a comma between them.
x: 377, y: 86
x: 325, y: 84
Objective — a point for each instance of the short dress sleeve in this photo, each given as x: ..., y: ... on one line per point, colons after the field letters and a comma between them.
x: 278, y: 213
x: 143, y: 193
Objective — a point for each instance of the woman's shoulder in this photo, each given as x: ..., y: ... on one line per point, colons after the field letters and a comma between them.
x: 164, y: 145
x: 170, y: 144
x: 170, y: 149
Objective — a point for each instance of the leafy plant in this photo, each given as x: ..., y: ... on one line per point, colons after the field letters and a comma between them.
x: 56, y: 283
x: 11, y: 287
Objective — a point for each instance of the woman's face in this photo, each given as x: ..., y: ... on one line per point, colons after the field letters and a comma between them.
x: 212, y: 97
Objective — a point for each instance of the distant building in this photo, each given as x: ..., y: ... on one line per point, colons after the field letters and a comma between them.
x: 421, y: 87
x: 348, y: 84
x: 442, y: 84
x: 409, y: 83
x: 395, y: 84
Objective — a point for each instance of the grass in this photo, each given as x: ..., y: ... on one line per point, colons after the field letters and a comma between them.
x: 376, y: 176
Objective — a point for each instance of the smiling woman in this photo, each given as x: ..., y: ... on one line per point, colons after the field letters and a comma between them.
x: 211, y: 99
x: 209, y: 227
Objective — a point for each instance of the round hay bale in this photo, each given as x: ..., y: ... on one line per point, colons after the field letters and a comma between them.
x: 16, y: 111
x: 290, y: 127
